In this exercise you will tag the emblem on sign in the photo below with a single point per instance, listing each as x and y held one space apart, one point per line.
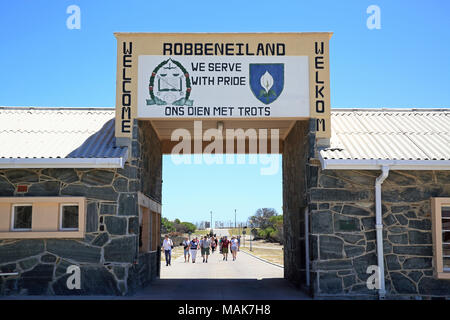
169 85
267 81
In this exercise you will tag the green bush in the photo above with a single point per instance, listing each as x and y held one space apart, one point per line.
189 226
172 226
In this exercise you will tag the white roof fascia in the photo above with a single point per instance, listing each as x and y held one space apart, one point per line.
371 164
13 163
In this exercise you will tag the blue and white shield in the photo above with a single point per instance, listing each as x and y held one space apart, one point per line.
267 81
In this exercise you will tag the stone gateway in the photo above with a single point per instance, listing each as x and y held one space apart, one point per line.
366 192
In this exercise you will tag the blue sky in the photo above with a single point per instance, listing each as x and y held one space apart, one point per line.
404 64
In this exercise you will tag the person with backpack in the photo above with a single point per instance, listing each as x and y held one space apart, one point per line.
185 245
220 244
193 246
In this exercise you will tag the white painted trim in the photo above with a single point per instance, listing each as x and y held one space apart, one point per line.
9 163
146 202
349 164
379 229
9 274
308 282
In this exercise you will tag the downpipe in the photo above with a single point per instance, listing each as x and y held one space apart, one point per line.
379 229
307 247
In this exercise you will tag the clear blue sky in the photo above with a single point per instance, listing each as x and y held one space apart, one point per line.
404 64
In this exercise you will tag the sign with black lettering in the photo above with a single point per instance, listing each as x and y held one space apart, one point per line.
223 76
222 86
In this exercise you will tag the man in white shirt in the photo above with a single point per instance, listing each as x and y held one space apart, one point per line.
205 244
167 246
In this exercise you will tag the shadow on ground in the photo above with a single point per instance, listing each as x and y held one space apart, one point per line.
226 289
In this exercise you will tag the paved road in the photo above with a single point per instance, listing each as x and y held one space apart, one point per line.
245 267
246 278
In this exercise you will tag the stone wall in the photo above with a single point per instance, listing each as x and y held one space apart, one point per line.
108 255
296 151
343 236
105 254
146 149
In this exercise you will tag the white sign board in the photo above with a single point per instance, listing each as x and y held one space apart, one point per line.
223 87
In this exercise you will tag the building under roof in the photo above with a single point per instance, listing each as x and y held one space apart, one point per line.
38 137
84 137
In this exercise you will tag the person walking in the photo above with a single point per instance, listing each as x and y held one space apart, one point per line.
225 244
239 242
205 245
167 246
193 246
234 247
220 244
213 244
185 245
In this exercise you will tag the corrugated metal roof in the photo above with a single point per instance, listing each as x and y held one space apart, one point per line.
357 134
28 132
383 134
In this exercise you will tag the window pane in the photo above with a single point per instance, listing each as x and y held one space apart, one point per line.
70 217
446 237
446 263
446 249
445 224
22 217
445 212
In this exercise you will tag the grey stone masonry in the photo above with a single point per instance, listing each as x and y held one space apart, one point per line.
296 150
108 255
343 236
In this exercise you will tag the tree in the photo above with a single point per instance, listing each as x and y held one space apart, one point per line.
272 229
261 218
166 226
176 226
189 227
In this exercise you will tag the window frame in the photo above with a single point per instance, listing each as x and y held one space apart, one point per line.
436 210
13 216
44 225
152 208
61 206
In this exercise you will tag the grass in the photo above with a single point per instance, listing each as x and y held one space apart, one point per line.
235 231
272 255
176 252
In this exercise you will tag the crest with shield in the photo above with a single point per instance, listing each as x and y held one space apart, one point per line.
266 81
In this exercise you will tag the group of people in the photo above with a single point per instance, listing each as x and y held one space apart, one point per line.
207 245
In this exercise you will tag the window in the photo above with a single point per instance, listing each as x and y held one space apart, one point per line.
441 236
69 217
42 217
445 216
156 230
21 217
144 231
150 223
